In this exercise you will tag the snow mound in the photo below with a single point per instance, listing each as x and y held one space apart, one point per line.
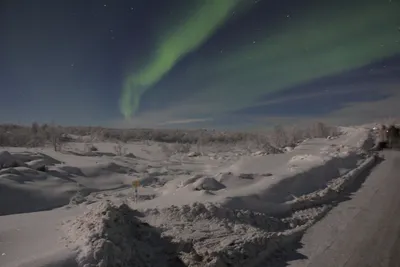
217 236
110 235
38 164
208 183
36 182
196 212
7 160
130 155
229 177
105 168
259 153
190 180
193 154
69 170
113 167
37 161
226 176
200 182
21 174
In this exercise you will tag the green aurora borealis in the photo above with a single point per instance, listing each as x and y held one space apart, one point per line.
182 39
320 39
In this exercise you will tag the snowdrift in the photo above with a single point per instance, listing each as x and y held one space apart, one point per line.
113 236
230 210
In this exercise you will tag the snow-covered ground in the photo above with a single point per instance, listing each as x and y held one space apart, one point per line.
216 209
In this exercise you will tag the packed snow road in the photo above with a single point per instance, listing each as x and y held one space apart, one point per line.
363 231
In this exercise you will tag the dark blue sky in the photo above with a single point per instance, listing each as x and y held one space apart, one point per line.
227 63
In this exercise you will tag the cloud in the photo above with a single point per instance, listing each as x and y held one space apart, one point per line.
365 112
161 119
186 121
350 114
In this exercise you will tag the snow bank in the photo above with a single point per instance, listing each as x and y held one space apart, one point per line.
308 168
109 235
212 212
194 235
204 235
27 186
333 189
34 181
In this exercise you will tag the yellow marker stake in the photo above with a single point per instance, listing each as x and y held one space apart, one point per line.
136 184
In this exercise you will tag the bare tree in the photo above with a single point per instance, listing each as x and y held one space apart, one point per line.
120 149
278 136
200 144
56 136
89 146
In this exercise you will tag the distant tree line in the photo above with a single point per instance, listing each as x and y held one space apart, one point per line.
37 135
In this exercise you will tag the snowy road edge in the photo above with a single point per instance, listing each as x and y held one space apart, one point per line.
334 189
318 198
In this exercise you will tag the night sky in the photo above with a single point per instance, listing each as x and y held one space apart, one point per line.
199 63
